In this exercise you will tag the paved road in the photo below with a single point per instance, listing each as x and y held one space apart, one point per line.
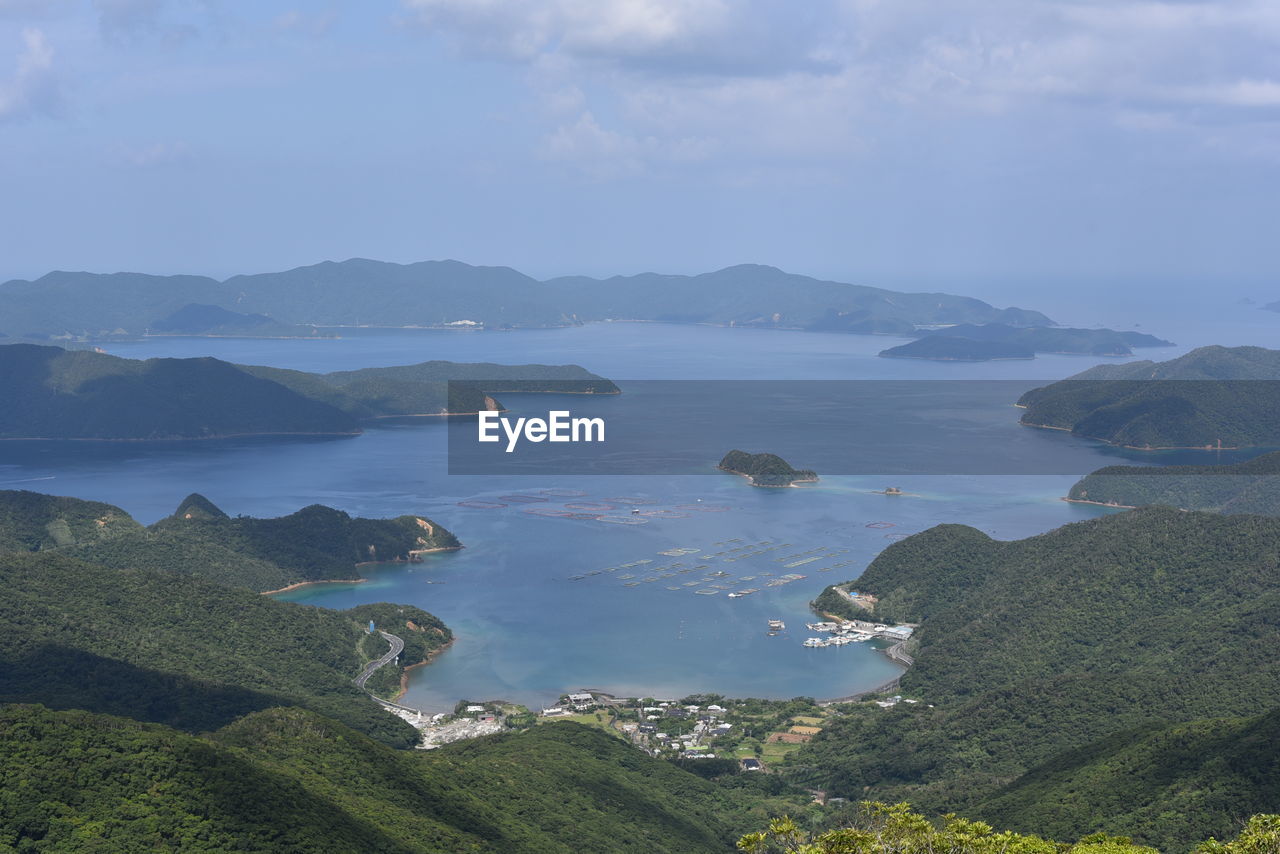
397 644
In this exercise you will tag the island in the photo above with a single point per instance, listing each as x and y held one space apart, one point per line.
767 470
1252 486
211 321
968 342
1212 397
54 393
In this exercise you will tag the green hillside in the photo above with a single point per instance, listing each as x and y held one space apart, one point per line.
287 780
1030 648
316 543
51 393
179 650
449 293
1212 395
1165 784
1247 487
59 394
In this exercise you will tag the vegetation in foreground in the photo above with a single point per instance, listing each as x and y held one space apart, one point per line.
895 829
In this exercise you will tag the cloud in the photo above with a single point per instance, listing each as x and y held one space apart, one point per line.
605 153
734 37
34 87
826 77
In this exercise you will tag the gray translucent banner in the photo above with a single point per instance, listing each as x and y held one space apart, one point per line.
868 427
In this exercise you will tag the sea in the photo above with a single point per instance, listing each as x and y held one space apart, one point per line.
546 598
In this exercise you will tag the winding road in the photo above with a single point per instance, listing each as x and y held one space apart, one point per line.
397 645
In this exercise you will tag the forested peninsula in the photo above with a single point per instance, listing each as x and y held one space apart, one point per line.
52 393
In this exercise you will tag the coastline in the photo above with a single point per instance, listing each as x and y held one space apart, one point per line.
751 480
404 671
300 584
1132 447
1070 500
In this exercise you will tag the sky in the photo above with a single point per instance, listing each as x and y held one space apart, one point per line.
894 142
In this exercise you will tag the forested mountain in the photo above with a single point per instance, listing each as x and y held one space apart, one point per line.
1164 783
175 649
288 780
432 388
51 393
59 394
1248 487
316 543
1032 648
1212 395
443 293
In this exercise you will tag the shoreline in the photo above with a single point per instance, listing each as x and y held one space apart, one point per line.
1132 447
300 584
1070 500
751 480
404 671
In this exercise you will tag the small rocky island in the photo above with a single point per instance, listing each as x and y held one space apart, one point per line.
767 470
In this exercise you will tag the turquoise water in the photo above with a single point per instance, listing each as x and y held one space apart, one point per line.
526 631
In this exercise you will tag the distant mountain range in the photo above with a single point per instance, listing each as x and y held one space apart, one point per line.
1210 396
968 342
52 393
450 294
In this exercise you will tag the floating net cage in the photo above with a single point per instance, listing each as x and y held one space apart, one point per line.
704 508
562 493
481 505
881 525
630 499
622 520
521 499
592 506
664 514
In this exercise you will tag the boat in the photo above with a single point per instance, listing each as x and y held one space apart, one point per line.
777 625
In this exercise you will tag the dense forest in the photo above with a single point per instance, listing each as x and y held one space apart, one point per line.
179 650
1247 487
52 393
289 780
1212 396
1030 649
316 543
765 469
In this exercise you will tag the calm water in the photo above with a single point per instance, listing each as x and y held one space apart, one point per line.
526 631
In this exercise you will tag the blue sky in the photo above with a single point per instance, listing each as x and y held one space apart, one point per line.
902 142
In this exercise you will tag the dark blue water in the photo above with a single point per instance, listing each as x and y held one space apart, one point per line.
526 631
